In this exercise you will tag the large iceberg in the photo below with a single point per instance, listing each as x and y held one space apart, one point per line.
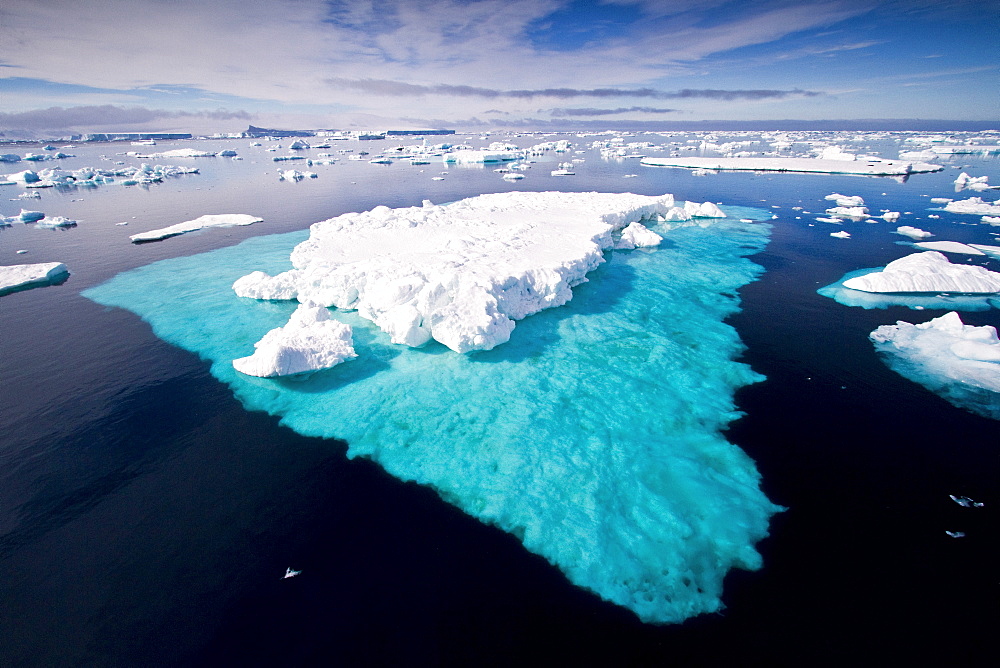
208 220
16 277
310 341
958 361
929 271
460 273
595 435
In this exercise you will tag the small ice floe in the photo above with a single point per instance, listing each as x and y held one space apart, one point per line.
913 232
843 234
990 220
965 501
971 182
956 534
940 200
973 205
56 221
949 247
30 216
835 221
846 200
21 252
210 220
565 169
890 216
289 573
21 276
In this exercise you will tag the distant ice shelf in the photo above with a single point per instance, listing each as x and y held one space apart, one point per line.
815 165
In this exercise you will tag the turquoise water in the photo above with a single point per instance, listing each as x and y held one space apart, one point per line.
593 435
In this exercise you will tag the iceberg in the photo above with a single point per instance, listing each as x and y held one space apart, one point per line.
595 435
56 221
637 235
841 235
309 342
814 165
971 182
957 361
974 205
20 276
470 156
846 200
990 220
929 271
913 232
857 212
210 220
949 247
459 273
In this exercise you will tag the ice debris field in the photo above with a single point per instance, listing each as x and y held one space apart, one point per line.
593 434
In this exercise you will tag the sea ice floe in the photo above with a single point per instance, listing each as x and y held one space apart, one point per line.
841 235
210 220
971 182
814 165
178 153
846 200
929 271
913 232
957 361
18 276
949 247
974 205
310 341
990 220
596 435
56 221
857 212
472 156
460 273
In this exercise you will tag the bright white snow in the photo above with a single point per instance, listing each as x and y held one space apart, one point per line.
949 247
310 341
210 220
974 205
460 273
913 232
929 271
19 275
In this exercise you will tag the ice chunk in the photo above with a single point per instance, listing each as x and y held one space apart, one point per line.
949 247
19 276
846 200
990 220
971 182
958 361
890 216
460 273
596 435
849 211
703 210
637 235
310 341
974 205
298 145
472 157
180 153
841 235
913 232
210 220
56 221
929 271
30 216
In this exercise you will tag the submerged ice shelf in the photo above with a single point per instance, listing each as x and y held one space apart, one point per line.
957 361
594 434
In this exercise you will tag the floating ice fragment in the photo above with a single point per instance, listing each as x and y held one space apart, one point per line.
949 247
929 271
310 341
841 235
289 573
846 200
965 501
210 220
814 165
56 221
956 534
913 232
974 205
14 277
990 220
637 235
958 361
30 216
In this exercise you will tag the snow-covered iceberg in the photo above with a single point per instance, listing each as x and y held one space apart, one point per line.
19 276
974 205
209 220
310 341
958 361
913 232
595 435
929 271
460 273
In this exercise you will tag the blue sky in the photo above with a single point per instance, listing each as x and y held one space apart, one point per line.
468 64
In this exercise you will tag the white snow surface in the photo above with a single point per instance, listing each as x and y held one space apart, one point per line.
637 235
209 220
817 165
913 232
929 271
841 235
459 273
310 341
947 349
846 200
179 153
14 276
949 247
974 205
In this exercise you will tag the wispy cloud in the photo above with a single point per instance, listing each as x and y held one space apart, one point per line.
584 111
110 116
398 88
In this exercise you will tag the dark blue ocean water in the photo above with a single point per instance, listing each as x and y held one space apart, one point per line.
146 517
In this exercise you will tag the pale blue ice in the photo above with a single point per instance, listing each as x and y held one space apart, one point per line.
915 301
594 435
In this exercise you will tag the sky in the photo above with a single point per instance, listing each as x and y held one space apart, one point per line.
220 65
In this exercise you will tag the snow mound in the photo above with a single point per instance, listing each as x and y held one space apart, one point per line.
310 341
927 272
210 220
460 273
23 275
958 361
637 235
